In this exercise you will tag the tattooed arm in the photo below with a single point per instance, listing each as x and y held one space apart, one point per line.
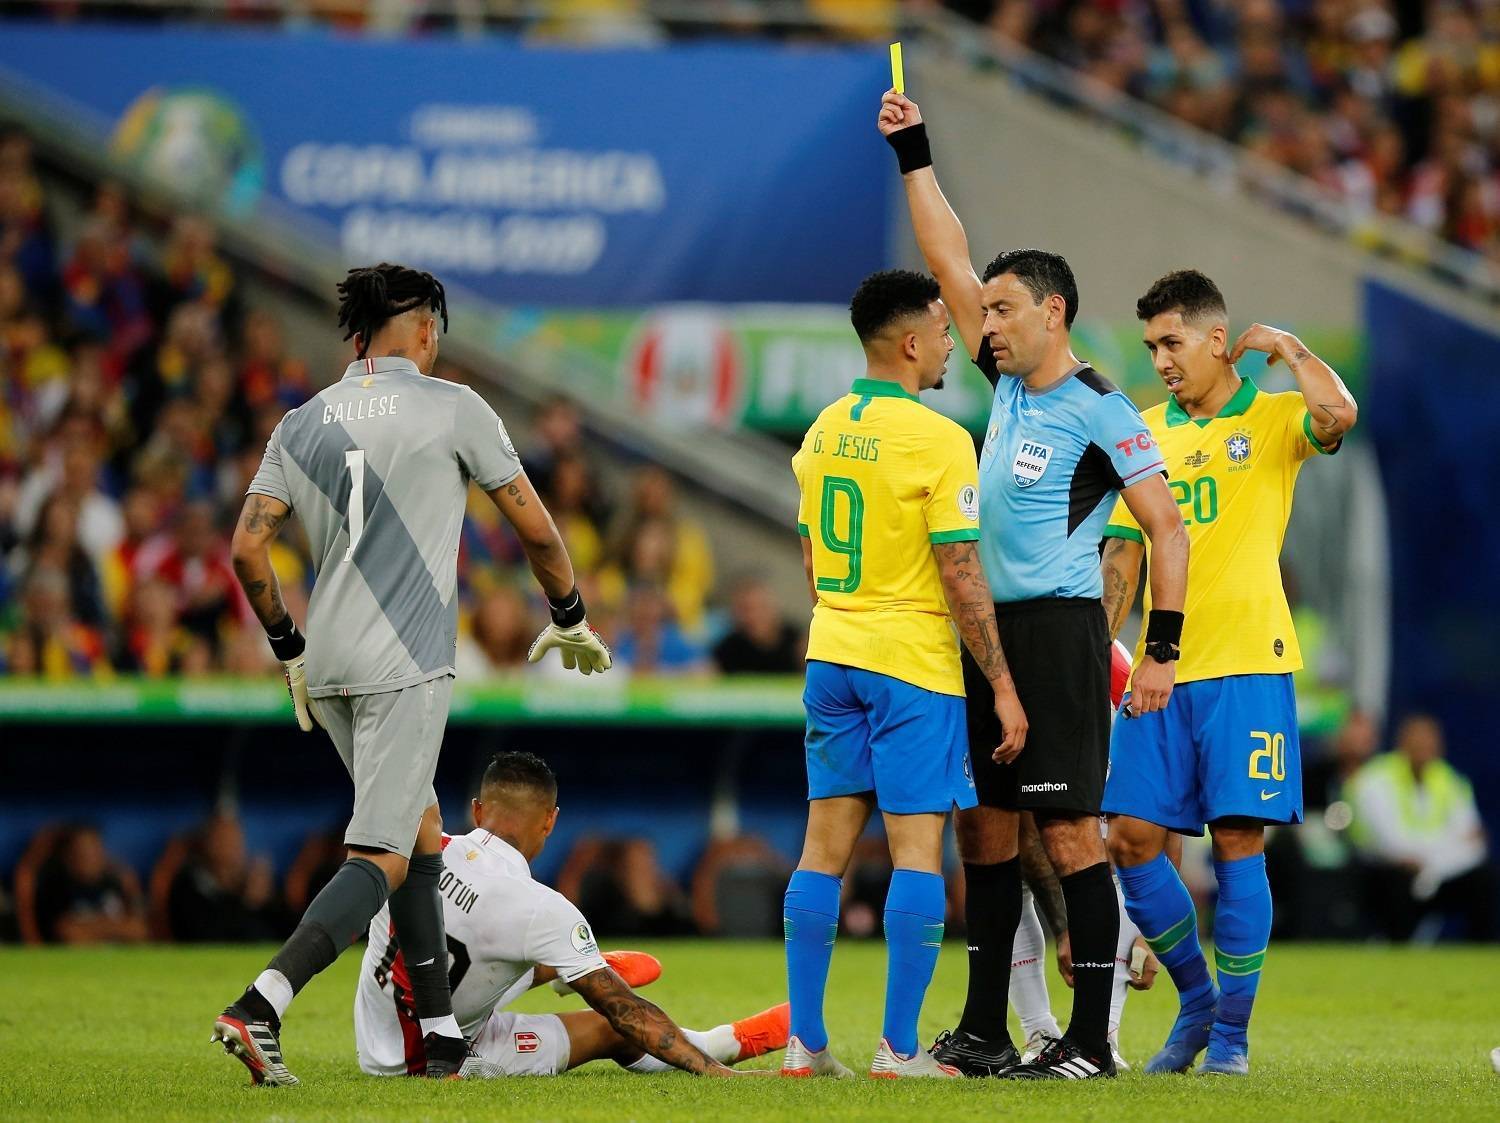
260 520
522 508
1037 869
973 612
1120 566
644 1024
1331 407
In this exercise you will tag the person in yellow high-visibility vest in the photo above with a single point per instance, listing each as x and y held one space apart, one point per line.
1417 828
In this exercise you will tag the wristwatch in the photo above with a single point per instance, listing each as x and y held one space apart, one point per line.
1163 651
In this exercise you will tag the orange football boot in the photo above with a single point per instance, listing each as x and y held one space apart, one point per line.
764 1032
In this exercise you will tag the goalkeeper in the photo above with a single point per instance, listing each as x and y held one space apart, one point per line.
378 467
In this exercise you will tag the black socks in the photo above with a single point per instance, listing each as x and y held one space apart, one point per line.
338 915
417 913
992 910
1094 931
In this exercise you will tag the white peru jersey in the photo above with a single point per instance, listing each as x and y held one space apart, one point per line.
501 924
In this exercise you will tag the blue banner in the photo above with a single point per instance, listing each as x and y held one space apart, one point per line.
530 176
1433 409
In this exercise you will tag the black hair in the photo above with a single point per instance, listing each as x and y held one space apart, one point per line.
1044 274
890 295
520 770
374 294
1184 290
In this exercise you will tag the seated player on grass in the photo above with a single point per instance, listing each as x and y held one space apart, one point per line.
506 934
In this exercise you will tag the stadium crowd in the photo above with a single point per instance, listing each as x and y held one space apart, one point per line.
1392 105
137 391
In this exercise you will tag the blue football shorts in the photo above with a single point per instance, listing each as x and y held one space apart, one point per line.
1223 747
869 732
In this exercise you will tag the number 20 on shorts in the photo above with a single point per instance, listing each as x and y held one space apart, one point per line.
1269 761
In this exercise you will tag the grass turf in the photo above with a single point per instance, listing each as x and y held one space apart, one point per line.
1340 1033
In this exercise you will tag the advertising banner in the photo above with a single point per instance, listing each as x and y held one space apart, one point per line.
773 367
528 175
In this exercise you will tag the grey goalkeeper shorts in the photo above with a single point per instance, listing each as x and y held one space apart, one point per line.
389 742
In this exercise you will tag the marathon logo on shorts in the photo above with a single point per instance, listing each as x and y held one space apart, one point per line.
1044 786
527 1042
1030 463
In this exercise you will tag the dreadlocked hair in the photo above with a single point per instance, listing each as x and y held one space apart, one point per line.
374 294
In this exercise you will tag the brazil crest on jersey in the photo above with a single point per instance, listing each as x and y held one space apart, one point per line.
882 479
1233 476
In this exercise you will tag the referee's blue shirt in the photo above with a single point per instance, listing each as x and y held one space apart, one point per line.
1052 464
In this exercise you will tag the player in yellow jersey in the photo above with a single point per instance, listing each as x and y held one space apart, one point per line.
889 517
1224 752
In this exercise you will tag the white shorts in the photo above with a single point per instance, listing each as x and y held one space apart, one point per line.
525 1044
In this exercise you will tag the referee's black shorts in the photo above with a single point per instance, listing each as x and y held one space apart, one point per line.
1058 650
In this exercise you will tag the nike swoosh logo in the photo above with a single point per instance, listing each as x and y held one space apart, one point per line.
1268 795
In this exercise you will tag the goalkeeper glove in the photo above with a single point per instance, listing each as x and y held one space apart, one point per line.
582 648
290 647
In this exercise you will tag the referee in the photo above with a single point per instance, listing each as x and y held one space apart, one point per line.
1061 444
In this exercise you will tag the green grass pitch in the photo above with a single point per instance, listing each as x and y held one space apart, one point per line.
1341 1034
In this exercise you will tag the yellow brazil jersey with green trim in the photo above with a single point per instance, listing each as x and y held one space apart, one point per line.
1233 477
882 478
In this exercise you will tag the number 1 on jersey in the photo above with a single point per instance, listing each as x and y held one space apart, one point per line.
354 460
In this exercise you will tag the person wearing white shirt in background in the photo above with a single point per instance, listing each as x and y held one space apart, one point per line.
1417 827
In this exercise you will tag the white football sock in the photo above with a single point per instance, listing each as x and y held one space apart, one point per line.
719 1043
1028 980
275 989
446 1026
1128 933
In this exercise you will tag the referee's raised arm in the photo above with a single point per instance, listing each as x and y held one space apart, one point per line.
940 235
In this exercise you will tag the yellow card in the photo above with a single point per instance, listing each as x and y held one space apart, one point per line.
898 78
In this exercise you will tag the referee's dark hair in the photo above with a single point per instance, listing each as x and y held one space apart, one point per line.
1187 291
374 294
1042 273
523 771
890 295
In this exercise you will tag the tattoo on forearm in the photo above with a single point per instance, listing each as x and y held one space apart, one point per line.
1333 423
640 1022
515 493
1118 590
1046 889
973 610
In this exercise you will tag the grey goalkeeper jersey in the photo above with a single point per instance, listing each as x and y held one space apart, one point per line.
377 467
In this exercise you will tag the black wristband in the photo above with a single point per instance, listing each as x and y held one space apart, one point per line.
912 150
286 641
1164 626
567 612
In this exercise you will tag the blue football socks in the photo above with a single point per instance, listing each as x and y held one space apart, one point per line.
914 908
810 919
1242 929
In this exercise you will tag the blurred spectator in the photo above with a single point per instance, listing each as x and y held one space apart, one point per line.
1418 830
193 560
499 635
74 474
762 641
738 889
650 641
571 501
83 896
156 645
49 641
220 894
865 885
619 885
653 544
53 546
1328 778
558 435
